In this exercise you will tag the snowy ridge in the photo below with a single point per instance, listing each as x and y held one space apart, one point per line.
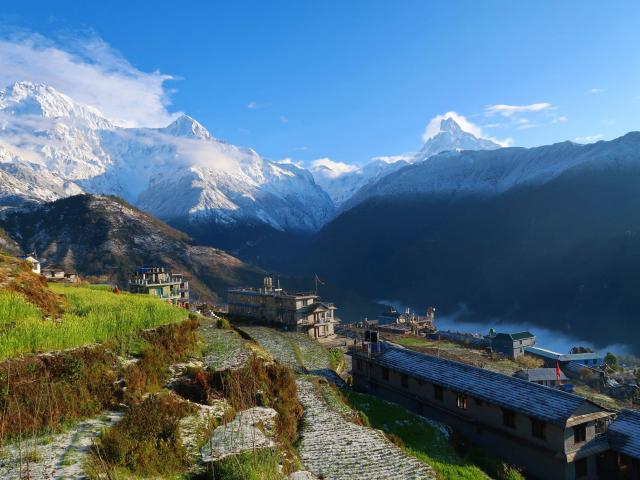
52 147
495 172
342 182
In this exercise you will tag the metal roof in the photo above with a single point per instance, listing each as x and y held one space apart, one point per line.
624 433
540 374
538 401
562 357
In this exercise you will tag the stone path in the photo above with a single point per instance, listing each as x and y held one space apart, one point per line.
57 456
225 349
333 448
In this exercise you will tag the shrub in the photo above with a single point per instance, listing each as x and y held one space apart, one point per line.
147 441
527 361
336 359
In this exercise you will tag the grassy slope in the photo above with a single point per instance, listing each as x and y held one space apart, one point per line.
425 441
92 316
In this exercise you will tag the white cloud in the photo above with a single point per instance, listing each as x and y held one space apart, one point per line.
331 168
589 138
433 127
253 105
509 110
596 90
91 72
290 161
394 158
560 119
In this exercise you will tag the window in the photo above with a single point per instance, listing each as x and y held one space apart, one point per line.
462 401
385 373
601 427
581 467
404 380
537 429
579 433
438 392
359 364
508 418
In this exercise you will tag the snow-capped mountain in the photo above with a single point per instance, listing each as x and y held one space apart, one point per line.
52 147
343 181
456 174
452 137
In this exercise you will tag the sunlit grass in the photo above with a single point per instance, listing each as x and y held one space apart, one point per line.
94 315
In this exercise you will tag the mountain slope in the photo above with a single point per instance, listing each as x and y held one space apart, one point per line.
342 182
105 238
559 248
52 147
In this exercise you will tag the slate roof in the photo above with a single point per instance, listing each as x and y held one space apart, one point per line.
540 374
624 433
538 401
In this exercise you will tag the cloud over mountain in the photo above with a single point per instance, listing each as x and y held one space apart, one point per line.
91 72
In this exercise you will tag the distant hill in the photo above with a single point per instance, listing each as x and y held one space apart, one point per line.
104 238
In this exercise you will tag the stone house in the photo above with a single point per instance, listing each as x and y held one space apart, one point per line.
512 345
551 434
302 312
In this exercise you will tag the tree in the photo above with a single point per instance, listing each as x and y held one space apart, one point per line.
611 360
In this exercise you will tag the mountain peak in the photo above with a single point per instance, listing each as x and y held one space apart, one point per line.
28 98
185 126
450 125
452 137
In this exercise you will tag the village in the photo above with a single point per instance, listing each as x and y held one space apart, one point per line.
555 415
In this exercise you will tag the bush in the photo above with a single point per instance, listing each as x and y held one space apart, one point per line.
527 361
147 441
336 359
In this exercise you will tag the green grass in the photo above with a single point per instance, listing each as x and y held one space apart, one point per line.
423 342
94 315
426 442
255 465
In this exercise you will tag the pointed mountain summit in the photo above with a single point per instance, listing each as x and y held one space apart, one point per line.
185 126
452 137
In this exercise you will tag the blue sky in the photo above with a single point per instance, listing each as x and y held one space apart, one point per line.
344 80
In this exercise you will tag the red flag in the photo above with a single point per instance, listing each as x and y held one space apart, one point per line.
557 370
